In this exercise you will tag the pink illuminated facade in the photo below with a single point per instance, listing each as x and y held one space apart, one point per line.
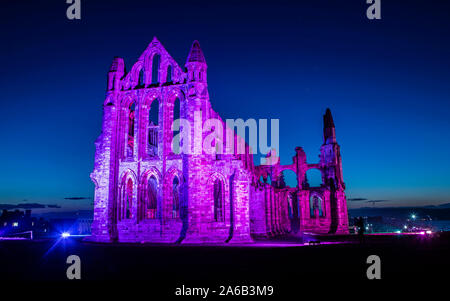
146 192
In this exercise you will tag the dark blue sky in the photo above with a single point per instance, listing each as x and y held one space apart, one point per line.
386 82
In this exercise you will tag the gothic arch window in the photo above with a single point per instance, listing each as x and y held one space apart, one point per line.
151 204
175 197
155 68
169 74
130 134
316 206
126 200
153 129
129 200
141 82
218 201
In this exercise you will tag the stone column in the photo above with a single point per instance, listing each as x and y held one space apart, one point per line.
105 178
241 205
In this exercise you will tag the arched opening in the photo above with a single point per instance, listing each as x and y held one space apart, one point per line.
175 198
169 74
129 200
218 201
126 200
141 82
287 178
313 178
151 204
155 68
316 206
130 136
175 137
153 129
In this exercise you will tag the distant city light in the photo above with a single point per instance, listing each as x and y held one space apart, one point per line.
405 227
413 216
15 224
429 232
65 234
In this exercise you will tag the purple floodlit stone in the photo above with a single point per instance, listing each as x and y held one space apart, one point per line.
145 192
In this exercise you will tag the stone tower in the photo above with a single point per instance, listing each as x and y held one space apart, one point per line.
331 165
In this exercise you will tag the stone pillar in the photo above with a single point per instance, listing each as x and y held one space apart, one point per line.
304 209
105 178
241 208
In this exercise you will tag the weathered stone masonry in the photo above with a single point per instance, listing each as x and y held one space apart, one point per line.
144 192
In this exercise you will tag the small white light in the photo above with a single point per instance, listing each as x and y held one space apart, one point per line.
15 224
429 232
405 227
65 234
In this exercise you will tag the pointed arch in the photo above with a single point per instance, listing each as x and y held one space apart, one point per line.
127 196
176 191
219 199
136 74
150 196
169 76
141 79
174 185
126 100
316 205
149 200
156 65
218 187
156 47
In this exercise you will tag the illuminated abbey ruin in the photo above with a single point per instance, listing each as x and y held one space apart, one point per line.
147 192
